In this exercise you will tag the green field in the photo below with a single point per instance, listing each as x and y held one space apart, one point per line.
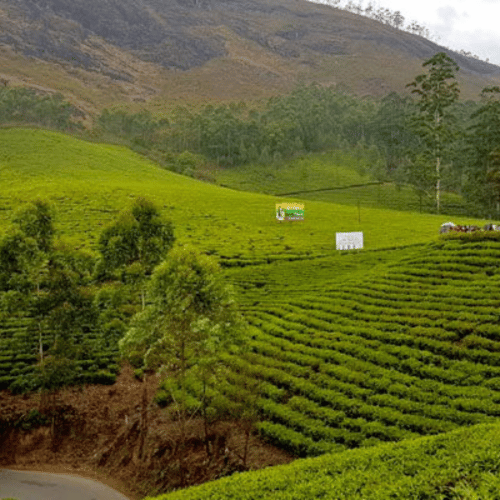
335 177
351 349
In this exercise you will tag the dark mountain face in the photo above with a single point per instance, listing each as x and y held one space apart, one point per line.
180 33
129 24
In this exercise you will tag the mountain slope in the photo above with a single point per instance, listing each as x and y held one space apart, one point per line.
215 49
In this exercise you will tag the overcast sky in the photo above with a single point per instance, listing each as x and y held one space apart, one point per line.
471 25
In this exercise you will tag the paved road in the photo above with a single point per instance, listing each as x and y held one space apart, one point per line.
24 485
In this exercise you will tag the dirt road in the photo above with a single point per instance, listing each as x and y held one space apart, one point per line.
23 485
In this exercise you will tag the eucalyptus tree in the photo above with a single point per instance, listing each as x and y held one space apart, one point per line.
484 144
437 90
188 324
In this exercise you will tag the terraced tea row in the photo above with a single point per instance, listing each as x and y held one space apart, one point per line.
19 355
414 350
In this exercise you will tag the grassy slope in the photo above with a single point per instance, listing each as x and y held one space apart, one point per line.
462 464
89 183
411 289
342 177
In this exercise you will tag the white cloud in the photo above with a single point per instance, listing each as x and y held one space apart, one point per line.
447 17
447 13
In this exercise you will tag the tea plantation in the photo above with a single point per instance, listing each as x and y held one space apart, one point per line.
395 342
412 349
90 183
463 464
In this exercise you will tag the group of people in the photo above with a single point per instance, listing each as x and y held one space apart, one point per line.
450 226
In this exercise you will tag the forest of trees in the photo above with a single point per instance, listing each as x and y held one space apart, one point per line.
401 129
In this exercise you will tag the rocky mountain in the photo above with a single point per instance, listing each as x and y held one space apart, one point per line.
102 52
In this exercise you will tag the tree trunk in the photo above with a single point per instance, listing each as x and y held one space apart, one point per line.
438 164
247 440
144 421
40 338
183 415
205 421
438 183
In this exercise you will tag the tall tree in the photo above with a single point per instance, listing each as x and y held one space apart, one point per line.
189 321
437 91
484 141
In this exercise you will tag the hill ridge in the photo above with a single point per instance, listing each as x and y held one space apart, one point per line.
142 47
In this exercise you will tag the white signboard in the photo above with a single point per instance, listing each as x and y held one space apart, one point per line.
349 241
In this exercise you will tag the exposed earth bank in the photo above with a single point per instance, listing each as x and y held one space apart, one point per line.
117 435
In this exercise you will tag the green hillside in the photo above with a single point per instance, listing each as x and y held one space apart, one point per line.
334 177
90 183
353 352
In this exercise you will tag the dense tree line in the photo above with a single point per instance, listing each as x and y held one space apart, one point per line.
19 105
402 129
310 118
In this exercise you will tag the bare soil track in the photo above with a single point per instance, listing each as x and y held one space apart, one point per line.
118 435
